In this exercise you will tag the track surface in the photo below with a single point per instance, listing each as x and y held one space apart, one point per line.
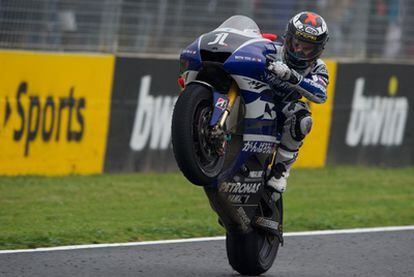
364 254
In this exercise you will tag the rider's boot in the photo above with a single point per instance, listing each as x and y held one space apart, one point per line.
280 169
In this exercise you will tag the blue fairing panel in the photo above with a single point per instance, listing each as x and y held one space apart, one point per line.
250 59
190 57
247 61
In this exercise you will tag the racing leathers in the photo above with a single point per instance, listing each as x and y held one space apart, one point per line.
294 119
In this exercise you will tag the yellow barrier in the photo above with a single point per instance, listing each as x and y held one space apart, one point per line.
54 112
313 152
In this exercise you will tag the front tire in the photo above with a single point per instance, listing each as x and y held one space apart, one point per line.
193 152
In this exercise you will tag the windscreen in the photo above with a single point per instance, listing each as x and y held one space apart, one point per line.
241 24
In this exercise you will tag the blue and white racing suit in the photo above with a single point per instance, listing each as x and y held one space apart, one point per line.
293 115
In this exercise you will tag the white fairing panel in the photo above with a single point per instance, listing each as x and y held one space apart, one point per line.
258 107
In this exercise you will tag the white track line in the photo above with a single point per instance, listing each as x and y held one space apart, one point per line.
291 234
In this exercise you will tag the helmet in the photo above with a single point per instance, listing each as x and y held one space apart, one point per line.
305 38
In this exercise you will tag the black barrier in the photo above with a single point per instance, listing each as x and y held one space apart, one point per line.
373 118
143 97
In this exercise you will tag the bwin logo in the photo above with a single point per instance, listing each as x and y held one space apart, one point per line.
377 120
152 119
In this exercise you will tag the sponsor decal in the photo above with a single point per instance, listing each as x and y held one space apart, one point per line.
238 187
143 97
189 51
258 147
305 35
311 30
256 174
255 85
377 120
247 58
221 103
267 223
220 37
238 199
42 120
239 193
250 84
245 219
54 112
372 115
152 123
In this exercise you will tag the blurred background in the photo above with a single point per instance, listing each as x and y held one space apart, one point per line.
369 29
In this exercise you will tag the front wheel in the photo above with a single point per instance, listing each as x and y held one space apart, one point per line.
193 149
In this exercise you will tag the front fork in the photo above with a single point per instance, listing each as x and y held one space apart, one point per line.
232 94
223 104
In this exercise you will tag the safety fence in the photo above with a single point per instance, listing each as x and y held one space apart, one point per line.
358 29
82 114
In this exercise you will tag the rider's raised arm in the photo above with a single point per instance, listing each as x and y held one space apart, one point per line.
313 86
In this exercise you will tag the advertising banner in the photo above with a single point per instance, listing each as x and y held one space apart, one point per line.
143 98
373 115
54 112
144 94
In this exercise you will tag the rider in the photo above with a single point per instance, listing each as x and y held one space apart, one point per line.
296 71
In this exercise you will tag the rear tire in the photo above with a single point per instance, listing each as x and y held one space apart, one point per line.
190 123
253 253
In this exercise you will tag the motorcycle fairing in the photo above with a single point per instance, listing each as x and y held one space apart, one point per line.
245 63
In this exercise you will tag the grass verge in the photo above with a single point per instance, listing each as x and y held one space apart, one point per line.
52 211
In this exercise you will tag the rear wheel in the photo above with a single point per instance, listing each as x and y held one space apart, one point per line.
195 152
253 253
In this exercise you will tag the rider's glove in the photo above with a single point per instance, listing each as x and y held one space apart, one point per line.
284 73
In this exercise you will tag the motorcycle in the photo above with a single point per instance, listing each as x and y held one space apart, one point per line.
224 137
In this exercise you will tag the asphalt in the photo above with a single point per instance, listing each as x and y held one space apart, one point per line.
365 254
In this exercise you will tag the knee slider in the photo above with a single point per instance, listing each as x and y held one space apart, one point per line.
301 124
